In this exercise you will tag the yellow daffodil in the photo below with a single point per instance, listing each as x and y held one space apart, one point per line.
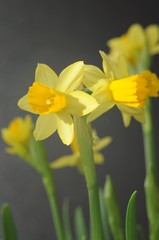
73 160
55 98
115 87
137 45
17 135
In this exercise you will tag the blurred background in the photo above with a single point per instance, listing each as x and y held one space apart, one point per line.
59 33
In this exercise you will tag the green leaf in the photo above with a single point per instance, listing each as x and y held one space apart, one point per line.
80 226
131 226
8 226
66 220
106 229
113 210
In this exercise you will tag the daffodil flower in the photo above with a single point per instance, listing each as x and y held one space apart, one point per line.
55 98
137 45
73 160
114 86
17 135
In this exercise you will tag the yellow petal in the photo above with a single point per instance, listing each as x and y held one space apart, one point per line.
70 78
107 66
46 125
152 32
23 104
128 112
102 108
140 117
126 119
93 77
44 74
122 70
65 127
81 103
103 142
98 158
65 161
136 35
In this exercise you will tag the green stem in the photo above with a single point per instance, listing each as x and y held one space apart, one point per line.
39 157
50 189
84 140
151 180
149 140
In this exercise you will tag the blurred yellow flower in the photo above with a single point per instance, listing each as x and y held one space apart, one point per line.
137 45
55 99
73 160
17 135
114 86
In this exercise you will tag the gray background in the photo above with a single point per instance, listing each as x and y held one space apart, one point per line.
59 33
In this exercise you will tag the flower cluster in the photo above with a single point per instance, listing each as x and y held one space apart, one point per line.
56 99
68 103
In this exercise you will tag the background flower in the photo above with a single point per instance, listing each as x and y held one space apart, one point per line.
73 160
17 135
137 45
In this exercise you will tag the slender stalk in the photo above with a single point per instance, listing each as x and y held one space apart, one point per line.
50 189
149 140
84 140
151 180
39 157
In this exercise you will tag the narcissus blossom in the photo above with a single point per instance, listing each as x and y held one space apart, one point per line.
55 98
17 135
114 86
73 160
137 45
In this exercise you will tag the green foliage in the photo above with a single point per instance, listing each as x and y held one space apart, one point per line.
131 226
113 210
80 226
8 225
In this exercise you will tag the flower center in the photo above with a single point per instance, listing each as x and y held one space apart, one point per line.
131 91
44 99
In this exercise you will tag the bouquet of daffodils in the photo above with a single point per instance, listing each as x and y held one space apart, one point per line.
68 104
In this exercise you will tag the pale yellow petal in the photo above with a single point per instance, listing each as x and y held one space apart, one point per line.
23 104
102 108
70 78
44 74
46 125
122 69
103 142
154 49
98 158
152 32
81 103
65 127
130 110
107 66
65 161
136 34
126 119
140 117
93 77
